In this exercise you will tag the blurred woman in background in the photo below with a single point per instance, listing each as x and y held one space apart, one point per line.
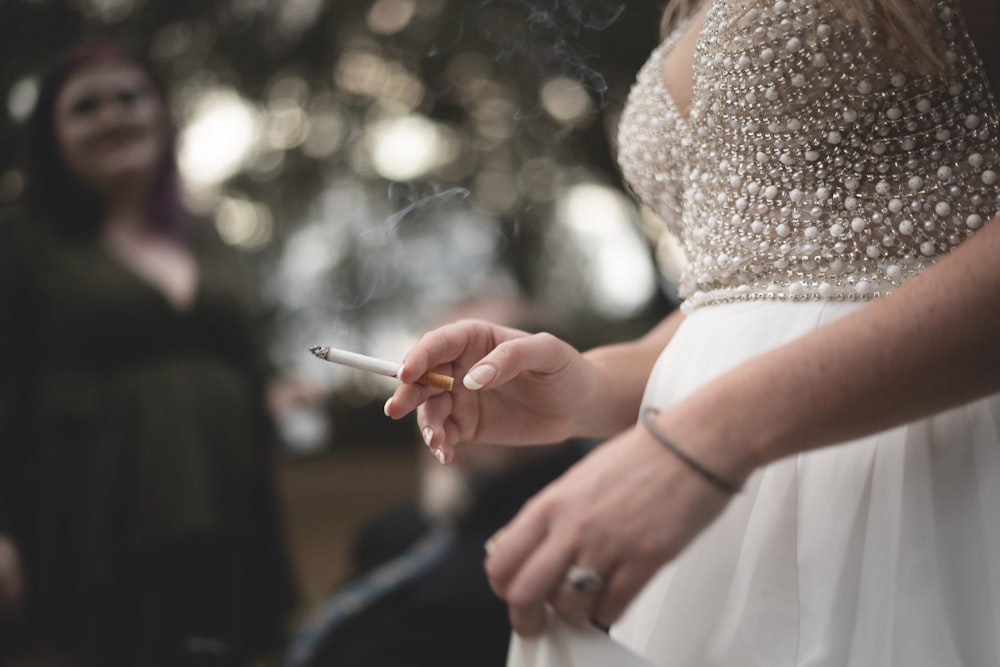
138 522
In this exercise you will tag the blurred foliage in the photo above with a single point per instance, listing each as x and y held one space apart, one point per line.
523 96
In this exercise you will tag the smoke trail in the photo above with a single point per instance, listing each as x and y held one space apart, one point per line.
547 33
406 192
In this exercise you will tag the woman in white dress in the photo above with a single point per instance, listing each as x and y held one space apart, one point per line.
803 463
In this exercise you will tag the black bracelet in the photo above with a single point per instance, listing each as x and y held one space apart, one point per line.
720 483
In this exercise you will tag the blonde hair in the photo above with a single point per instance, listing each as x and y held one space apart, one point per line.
908 22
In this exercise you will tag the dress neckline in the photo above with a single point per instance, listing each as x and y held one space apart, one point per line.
180 311
659 56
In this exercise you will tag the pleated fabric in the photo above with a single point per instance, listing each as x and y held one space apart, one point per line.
883 551
880 551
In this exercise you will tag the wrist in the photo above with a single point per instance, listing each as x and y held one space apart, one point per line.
722 452
603 409
723 483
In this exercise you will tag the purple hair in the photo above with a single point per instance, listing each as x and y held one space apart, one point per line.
54 192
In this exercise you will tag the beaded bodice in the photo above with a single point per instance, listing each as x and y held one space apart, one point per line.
810 166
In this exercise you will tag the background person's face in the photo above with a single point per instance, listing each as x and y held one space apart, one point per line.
109 125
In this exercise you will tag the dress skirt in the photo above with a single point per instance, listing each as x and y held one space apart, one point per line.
880 551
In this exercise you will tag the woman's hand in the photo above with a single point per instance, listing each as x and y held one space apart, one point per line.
11 578
518 388
623 511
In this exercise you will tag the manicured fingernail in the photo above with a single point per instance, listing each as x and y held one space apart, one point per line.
428 435
479 376
440 456
490 546
385 408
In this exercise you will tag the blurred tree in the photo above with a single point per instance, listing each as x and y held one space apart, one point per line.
359 149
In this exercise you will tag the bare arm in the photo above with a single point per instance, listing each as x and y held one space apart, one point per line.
631 505
622 370
933 344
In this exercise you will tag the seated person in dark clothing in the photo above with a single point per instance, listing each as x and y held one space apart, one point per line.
420 596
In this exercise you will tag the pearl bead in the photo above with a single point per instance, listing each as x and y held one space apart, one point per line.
812 169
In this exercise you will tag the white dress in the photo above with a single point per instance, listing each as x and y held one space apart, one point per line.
813 175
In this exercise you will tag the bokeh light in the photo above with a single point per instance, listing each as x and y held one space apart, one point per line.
219 137
407 147
603 223
21 98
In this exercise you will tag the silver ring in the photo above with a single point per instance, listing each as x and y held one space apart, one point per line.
584 579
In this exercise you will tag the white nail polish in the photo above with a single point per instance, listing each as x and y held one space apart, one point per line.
428 435
479 376
385 408
439 455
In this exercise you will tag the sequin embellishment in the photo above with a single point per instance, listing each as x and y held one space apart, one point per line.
810 167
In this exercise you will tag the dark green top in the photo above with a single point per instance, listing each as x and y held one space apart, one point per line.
128 427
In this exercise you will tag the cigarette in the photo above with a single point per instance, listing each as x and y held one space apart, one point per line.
379 366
